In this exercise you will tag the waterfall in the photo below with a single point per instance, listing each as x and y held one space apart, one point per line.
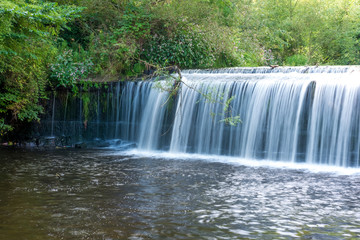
294 114
98 114
334 123
53 114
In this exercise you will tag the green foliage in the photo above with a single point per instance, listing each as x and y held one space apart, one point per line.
296 60
85 97
115 50
113 53
232 121
186 49
27 31
68 72
197 33
4 128
135 21
157 32
325 32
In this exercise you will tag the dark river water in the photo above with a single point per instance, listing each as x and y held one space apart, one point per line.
108 194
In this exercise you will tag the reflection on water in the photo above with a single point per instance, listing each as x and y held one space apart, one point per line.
96 194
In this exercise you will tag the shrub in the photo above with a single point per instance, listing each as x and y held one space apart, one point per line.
27 30
67 72
296 60
185 48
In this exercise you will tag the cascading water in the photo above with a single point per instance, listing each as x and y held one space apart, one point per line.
53 115
293 114
295 117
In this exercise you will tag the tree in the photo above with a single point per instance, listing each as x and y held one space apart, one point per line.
27 33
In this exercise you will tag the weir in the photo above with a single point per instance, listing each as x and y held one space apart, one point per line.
294 114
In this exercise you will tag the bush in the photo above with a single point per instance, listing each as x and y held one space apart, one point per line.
67 72
296 60
187 49
27 30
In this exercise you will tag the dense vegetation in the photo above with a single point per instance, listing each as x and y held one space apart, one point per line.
49 44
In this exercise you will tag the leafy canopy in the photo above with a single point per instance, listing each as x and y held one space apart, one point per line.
27 33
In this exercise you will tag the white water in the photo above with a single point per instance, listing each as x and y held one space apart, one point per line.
334 122
307 115
53 116
289 117
314 168
152 119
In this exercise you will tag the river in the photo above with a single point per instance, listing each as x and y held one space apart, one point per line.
111 194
